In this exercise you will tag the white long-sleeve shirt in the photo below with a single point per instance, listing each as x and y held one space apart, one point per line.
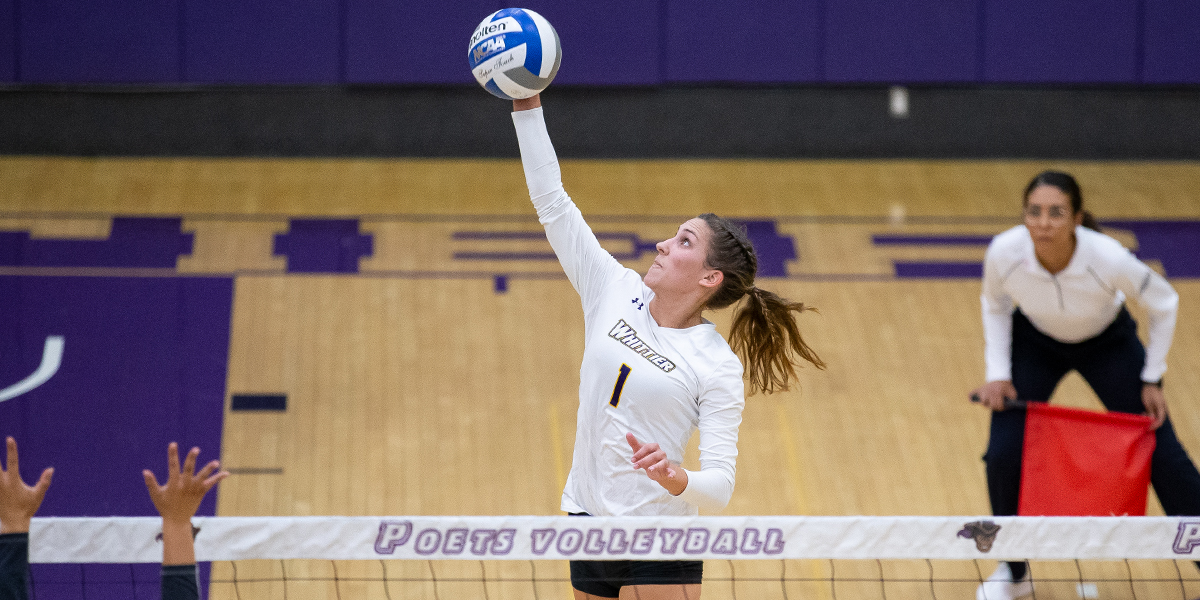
660 383
1074 305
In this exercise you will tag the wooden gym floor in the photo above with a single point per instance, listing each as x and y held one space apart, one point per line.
411 393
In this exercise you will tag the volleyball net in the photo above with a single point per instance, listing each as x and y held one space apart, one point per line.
525 557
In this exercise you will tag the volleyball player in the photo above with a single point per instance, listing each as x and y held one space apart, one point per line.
1054 292
177 501
655 370
18 504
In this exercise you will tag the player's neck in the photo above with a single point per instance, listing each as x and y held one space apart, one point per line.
1055 257
677 314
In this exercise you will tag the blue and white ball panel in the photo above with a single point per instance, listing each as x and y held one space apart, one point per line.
514 53
549 51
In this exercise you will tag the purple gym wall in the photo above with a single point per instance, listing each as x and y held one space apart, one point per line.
628 42
902 41
99 41
262 41
8 40
390 42
1171 48
1061 41
143 365
614 43
758 41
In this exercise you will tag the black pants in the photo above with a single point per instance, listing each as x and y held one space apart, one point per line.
1112 364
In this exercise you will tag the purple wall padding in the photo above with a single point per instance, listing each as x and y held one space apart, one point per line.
262 41
144 364
133 242
759 41
387 42
1171 42
115 581
901 41
1061 41
99 41
8 40
610 43
323 246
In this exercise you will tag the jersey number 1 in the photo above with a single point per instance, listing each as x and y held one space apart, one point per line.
616 397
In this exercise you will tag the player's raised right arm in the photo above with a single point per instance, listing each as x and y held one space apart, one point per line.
586 263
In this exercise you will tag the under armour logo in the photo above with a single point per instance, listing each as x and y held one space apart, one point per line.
983 532
639 303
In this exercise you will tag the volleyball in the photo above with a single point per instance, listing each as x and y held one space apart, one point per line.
514 53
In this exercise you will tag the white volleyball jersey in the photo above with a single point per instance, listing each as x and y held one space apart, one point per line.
659 383
1077 303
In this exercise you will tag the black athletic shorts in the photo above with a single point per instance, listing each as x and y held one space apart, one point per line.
605 578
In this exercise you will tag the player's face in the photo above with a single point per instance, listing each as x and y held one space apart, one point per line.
1049 216
681 261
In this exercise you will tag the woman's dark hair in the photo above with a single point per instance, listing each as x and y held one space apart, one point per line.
764 332
1067 185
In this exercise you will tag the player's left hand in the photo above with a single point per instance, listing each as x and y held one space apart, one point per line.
654 461
19 502
1156 404
179 498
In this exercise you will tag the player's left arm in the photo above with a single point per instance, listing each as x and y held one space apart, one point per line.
18 504
1142 284
177 501
721 405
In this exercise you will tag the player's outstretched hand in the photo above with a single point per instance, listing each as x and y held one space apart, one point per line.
993 394
529 103
1156 404
654 461
19 502
179 498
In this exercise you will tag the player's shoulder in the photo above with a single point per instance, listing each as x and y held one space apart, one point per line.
712 346
1099 242
1010 244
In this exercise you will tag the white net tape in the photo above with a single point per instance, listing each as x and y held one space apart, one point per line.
134 539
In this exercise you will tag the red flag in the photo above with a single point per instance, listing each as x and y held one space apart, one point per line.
1084 463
